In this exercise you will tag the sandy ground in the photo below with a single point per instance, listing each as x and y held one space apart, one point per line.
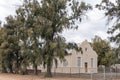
31 77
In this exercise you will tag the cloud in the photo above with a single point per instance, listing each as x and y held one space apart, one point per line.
94 25
7 7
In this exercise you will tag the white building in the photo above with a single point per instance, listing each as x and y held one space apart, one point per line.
77 62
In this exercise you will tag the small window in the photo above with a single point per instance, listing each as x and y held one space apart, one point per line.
65 62
85 49
91 62
79 61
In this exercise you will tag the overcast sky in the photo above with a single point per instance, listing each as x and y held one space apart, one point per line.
88 28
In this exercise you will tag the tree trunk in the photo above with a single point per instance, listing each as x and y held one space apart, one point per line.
17 64
3 68
48 73
16 67
24 69
35 70
10 68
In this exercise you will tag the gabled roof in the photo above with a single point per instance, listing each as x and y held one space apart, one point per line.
83 45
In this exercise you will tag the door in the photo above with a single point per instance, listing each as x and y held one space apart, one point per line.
86 67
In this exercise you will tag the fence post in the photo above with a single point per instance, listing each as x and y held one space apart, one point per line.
70 71
62 70
91 75
111 72
79 71
104 74
54 70
116 72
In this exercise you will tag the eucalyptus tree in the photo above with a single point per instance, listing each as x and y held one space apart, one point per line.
111 9
22 36
105 52
53 17
2 54
9 44
35 49
46 20
112 13
29 35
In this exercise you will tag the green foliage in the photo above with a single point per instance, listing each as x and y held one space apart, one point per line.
106 55
112 12
33 35
9 45
54 18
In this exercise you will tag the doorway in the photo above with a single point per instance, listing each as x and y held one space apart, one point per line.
86 67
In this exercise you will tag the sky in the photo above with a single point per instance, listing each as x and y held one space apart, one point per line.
95 24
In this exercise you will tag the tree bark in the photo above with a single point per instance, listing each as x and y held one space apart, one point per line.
35 70
48 73
3 68
17 64
10 68
24 70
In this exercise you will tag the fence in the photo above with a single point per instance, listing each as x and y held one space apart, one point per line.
102 73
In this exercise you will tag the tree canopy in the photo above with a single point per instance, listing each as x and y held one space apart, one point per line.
111 9
106 55
33 35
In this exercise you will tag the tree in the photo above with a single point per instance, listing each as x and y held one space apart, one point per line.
29 36
104 51
45 20
2 56
21 39
54 17
112 13
117 55
9 45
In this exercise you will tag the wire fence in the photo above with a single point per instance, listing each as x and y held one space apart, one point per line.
101 73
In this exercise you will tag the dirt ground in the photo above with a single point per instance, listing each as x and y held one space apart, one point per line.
31 77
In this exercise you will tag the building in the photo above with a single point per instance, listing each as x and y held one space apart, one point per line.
77 62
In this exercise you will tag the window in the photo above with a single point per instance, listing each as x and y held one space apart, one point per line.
79 61
65 63
85 49
91 62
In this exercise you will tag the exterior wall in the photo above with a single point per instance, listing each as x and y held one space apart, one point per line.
72 67
86 57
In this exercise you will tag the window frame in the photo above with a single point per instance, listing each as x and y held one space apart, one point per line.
79 61
92 62
86 49
65 63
